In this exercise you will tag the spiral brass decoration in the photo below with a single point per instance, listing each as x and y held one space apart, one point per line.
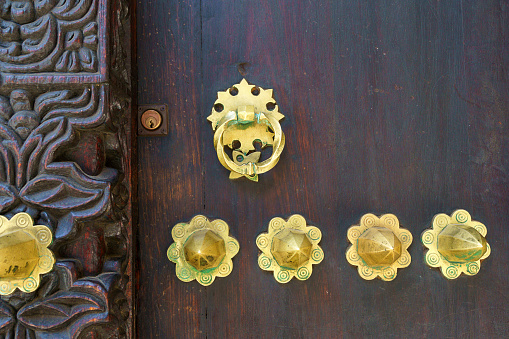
379 247
290 248
456 244
203 250
24 252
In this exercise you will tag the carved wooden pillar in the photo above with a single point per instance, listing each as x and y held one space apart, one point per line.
65 159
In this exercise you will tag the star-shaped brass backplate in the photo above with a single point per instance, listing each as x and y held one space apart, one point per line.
243 95
242 116
24 253
203 250
290 248
456 244
379 247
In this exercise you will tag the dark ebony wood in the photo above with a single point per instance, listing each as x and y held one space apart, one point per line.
66 153
391 107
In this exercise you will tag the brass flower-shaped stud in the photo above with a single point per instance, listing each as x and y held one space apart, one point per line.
203 250
456 244
379 247
24 252
290 248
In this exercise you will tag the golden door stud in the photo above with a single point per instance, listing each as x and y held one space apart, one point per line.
203 250
290 248
241 117
456 244
24 252
379 247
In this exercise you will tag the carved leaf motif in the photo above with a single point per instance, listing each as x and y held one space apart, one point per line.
39 148
59 309
68 312
8 141
59 193
39 177
70 194
85 110
7 317
74 10
60 188
33 34
44 6
8 196
51 101
39 39
21 332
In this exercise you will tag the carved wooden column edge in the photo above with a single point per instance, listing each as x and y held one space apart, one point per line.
67 158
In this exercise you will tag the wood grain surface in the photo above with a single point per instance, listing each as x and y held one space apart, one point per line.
66 163
391 107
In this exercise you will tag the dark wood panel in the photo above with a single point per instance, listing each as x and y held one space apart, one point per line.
170 168
391 107
66 159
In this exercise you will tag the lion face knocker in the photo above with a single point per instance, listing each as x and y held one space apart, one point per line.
243 117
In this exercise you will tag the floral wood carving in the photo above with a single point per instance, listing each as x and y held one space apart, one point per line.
63 303
34 137
65 160
49 35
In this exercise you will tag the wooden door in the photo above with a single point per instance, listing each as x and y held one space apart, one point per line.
65 169
391 107
66 155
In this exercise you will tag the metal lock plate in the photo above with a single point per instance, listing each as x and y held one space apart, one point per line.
153 120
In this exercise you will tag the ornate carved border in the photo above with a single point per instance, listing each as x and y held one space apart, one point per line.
65 159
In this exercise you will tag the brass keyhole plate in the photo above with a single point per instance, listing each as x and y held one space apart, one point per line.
153 120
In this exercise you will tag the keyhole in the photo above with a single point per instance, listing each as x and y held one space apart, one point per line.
151 120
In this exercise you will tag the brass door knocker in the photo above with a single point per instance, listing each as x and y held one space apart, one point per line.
242 116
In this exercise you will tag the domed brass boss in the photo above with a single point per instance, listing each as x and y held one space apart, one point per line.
24 253
203 250
379 247
241 117
290 248
456 244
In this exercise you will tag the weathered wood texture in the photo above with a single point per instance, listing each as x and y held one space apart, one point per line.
391 107
65 158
